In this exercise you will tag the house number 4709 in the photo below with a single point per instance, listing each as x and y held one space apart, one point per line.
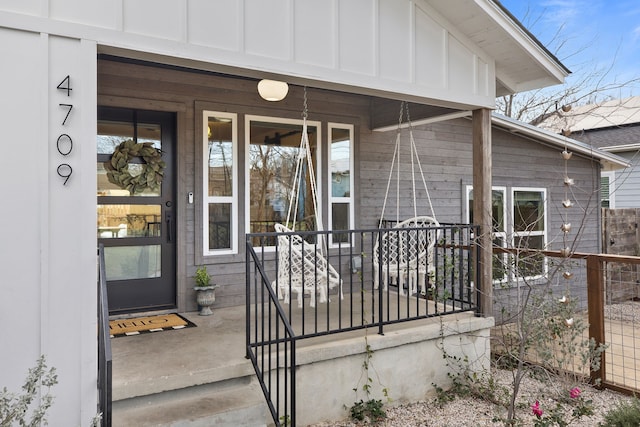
64 143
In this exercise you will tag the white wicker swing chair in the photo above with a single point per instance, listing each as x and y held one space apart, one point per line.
302 266
407 250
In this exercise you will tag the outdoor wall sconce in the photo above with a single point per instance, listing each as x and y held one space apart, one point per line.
272 90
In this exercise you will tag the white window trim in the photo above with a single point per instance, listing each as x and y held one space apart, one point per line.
501 234
318 169
612 194
206 199
332 199
543 233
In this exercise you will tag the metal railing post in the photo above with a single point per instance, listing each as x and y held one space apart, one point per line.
105 358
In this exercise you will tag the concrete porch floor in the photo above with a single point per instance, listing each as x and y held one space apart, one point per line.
192 372
193 377
154 362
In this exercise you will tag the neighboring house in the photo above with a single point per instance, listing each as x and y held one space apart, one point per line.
87 76
612 126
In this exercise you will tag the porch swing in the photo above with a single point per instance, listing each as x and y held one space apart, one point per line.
302 266
406 251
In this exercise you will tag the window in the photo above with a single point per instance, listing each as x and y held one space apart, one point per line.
273 147
341 183
527 224
499 234
607 197
220 188
529 229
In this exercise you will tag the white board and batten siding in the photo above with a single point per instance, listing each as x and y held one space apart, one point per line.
48 247
370 46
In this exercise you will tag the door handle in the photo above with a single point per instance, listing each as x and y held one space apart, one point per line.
169 227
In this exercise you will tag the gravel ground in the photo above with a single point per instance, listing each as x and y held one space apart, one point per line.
474 412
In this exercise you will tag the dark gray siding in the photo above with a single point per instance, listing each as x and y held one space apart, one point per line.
444 150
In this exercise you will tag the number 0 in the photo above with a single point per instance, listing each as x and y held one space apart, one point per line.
58 144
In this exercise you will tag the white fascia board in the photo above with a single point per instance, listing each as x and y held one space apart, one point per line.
532 47
621 148
607 160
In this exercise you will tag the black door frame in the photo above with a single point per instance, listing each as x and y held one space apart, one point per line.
149 294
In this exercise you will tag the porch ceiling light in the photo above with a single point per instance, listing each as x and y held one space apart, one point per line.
272 90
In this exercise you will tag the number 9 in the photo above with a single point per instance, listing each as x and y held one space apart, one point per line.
64 167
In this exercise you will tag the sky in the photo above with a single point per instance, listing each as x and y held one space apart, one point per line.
595 34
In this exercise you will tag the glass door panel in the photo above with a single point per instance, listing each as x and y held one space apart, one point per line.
129 221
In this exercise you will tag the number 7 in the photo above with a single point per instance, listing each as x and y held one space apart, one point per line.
68 112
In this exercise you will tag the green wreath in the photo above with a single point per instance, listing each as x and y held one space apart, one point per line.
152 168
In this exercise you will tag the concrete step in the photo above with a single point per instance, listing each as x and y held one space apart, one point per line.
234 402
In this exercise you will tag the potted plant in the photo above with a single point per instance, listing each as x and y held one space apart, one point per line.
205 291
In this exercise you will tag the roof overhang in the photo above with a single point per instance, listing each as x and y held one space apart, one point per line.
522 62
608 160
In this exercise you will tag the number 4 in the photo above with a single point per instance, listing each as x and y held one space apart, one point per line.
65 85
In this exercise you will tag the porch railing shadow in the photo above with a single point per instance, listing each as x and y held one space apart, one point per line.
297 263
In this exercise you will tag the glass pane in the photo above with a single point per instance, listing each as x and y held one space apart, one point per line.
530 265
340 162
499 261
150 132
220 156
132 262
497 209
117 221
528 211
219 226
107 188
340 221
272 159
111 134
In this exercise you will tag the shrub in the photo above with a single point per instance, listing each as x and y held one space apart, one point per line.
15 409
625 414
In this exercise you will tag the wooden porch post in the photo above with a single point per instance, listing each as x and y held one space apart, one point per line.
482 203
595 301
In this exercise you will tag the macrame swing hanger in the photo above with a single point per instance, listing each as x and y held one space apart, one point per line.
304 154
415 161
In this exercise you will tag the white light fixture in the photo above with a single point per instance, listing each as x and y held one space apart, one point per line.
272 90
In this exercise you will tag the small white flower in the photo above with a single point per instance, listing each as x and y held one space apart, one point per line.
567 203
568 322
563 299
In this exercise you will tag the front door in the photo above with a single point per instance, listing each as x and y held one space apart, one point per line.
136 213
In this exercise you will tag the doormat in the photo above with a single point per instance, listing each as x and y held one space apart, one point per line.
141 325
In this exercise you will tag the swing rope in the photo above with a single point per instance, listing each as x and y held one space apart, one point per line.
304 153
415 159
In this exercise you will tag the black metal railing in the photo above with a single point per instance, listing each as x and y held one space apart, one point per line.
271 343
104 345
310 284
